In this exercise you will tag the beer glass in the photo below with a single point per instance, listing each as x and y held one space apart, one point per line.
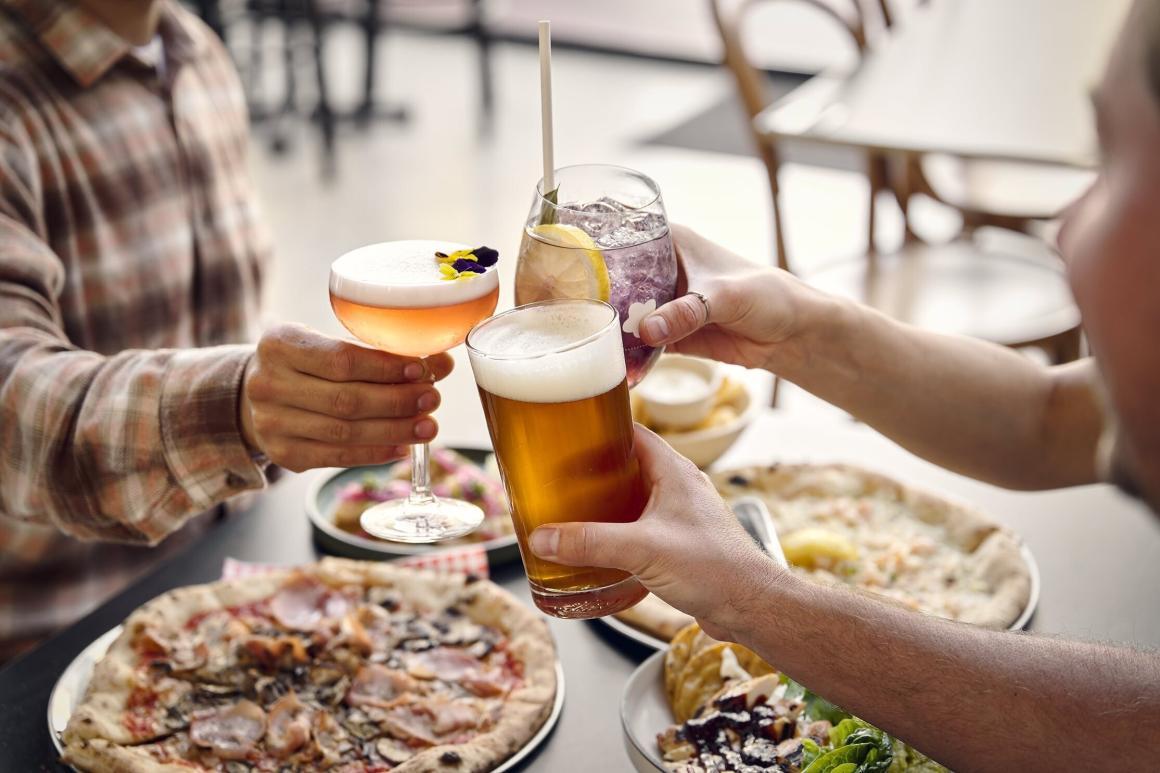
393 296
552 379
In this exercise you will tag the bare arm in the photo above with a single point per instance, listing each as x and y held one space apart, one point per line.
967 405
973 407
970 698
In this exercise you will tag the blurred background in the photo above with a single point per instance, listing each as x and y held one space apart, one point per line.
911 154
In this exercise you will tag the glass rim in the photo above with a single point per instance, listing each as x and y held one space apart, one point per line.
649 182
475 351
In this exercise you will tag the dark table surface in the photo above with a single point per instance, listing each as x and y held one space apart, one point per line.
1099 556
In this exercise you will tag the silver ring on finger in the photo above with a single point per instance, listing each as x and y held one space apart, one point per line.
704 302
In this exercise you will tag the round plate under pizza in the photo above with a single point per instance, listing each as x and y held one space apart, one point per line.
69 699
322 498
69 688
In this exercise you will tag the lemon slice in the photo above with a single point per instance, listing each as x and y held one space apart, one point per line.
810 546
562 263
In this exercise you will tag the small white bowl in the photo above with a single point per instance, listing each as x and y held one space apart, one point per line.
704 446
680 391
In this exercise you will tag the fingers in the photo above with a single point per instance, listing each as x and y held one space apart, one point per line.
614 545
310 352
351 400
283 421
296 454
439 366
677 319
310 400
657 458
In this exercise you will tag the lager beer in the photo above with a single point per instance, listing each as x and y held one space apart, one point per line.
552 380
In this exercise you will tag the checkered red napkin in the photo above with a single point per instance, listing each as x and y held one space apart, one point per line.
469 559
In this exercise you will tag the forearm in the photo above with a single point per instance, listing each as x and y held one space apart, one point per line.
121 448
971 698
974 407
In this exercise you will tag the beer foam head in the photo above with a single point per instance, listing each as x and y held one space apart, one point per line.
404 275
553 352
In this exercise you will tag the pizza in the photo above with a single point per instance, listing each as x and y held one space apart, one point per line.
843 525
343 665
453 476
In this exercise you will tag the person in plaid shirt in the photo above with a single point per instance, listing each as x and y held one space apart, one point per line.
131 258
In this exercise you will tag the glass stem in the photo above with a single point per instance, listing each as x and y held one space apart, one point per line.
420 475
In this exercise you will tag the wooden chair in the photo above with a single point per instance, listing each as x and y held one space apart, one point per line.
1011 293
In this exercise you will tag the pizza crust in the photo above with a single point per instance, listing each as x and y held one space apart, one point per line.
96 738
99 755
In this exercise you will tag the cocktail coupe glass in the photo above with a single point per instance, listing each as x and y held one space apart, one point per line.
395 296
602 234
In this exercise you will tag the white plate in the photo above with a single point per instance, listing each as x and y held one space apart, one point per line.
644 712
74 680
320 503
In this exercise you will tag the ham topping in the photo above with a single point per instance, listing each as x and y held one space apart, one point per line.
377 685
446 663
300 603
229 731
329 737
411 727
449 716
488 684
288 728
455 665
182 652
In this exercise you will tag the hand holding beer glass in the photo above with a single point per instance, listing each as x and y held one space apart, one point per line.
552 379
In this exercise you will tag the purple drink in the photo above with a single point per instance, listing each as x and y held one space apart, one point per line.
642 269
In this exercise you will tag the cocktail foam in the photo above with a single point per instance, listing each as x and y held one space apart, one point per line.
404 275
553 352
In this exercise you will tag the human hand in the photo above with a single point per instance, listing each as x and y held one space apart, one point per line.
687 547
309 400
753 314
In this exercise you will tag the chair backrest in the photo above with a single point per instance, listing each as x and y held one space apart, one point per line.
730 16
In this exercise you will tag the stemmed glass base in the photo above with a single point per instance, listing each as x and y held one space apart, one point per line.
430 520
421 517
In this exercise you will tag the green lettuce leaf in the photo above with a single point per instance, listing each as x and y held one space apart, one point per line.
857 743
907 759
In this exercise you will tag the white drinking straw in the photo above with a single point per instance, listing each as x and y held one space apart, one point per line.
546 104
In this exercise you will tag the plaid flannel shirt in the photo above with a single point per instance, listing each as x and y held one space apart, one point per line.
130 260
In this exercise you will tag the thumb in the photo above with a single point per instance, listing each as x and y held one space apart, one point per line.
677 319
612 545
658 460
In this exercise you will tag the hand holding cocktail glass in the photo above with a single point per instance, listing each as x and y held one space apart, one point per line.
310 400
